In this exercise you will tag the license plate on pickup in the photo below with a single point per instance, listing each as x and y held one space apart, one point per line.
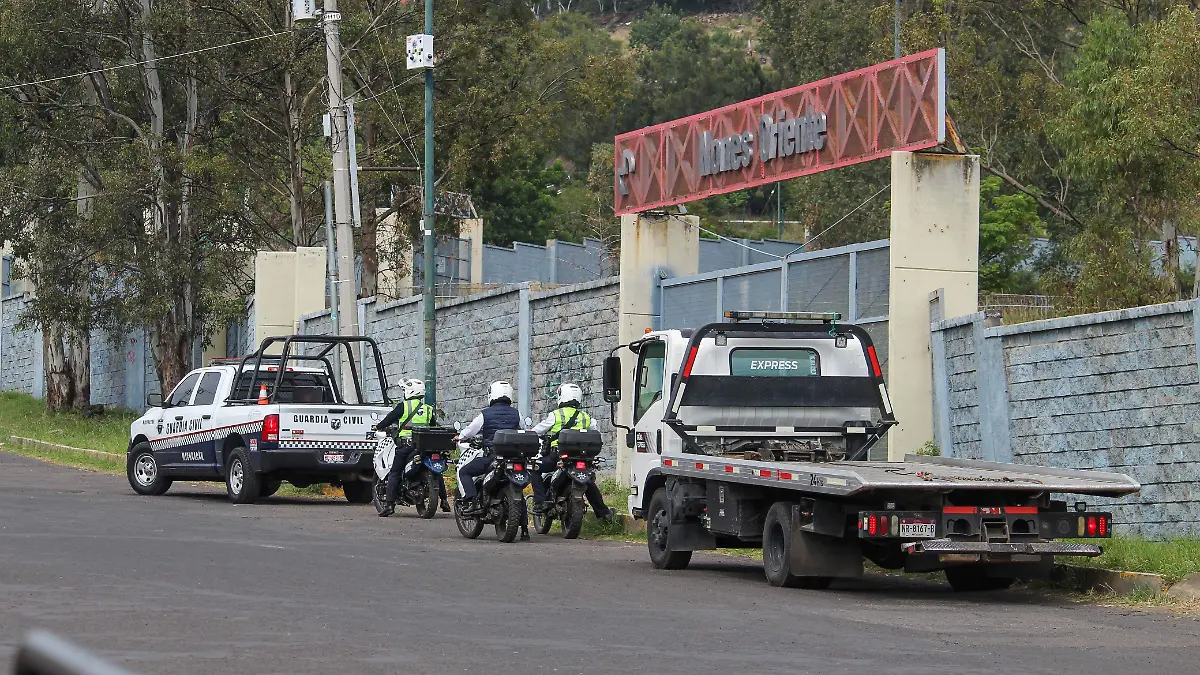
334 457
919 528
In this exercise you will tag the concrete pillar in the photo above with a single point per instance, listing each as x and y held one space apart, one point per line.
934 245
287 285
394 271
652 247
471 229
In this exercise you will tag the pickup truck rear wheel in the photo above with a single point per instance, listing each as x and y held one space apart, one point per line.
358 491
972 579
242 484
658 522
777 551
141 467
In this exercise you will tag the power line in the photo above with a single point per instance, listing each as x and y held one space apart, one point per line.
735 241
138 63
839 220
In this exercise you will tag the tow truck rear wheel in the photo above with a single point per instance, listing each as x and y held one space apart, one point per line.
972 580
657 523
777 551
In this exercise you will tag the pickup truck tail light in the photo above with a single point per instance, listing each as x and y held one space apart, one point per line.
270 432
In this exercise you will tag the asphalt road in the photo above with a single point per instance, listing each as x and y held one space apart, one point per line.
189 583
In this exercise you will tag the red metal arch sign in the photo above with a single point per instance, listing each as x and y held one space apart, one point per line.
846 119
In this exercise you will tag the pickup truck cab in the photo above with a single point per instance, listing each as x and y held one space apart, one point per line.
258 421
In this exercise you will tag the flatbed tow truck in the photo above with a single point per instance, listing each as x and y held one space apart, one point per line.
755 432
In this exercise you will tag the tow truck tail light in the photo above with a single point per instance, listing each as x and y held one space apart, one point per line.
270 432
872 525
1103 524
1091 526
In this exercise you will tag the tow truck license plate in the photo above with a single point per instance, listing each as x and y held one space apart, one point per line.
918 527
332 457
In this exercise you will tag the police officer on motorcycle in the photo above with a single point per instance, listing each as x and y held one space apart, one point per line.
411 412
568 415
500 414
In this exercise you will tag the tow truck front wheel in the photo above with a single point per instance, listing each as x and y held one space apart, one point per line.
143 472
658 521
777 551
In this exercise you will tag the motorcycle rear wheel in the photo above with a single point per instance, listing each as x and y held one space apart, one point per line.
512 514
573 518
427 498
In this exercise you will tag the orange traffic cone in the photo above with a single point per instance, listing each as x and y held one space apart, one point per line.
262 394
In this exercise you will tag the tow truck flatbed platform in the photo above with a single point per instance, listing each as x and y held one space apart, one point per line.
916 472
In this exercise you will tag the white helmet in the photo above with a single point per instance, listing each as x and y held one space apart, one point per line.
414 388
500 389
569 393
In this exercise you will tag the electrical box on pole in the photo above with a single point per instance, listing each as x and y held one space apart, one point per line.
305 13
420 51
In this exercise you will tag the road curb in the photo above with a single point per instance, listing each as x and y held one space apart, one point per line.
1084 579
33 444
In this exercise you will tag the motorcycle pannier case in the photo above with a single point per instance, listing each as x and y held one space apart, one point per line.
579 443
514 443
433 439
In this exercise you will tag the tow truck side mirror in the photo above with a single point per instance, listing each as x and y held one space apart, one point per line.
154 400
612 379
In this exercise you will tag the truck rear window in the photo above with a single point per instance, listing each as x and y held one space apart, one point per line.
297 387
774 362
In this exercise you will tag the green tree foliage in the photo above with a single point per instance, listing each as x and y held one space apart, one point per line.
1007 226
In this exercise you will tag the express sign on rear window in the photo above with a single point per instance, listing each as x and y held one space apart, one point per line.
773 362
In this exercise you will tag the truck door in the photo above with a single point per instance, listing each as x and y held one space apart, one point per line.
203 405
180 428
648 396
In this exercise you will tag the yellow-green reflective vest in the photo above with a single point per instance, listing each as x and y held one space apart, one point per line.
583 422
417 413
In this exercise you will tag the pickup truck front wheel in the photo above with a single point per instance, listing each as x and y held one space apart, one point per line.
242 484
145 477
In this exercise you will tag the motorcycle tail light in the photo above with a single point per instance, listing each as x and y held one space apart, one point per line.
518 467
564 455
435 457
580 465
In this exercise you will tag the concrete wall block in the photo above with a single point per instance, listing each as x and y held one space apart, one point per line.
1085 365
1105 402
1117 343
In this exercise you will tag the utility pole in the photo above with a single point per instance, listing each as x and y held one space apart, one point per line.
347 288
427 221
896 30
331 269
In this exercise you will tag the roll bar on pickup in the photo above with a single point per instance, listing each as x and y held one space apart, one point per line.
330 343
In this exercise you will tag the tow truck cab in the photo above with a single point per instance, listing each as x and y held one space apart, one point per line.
785 391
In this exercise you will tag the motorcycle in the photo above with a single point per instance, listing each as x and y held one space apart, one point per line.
498 491
421 479
578 456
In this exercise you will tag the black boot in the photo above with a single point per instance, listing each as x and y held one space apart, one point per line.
445 506
387 510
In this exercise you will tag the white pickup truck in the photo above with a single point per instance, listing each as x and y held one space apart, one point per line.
258 421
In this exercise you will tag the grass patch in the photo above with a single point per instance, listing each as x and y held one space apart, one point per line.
24 415
76 459
1173 560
